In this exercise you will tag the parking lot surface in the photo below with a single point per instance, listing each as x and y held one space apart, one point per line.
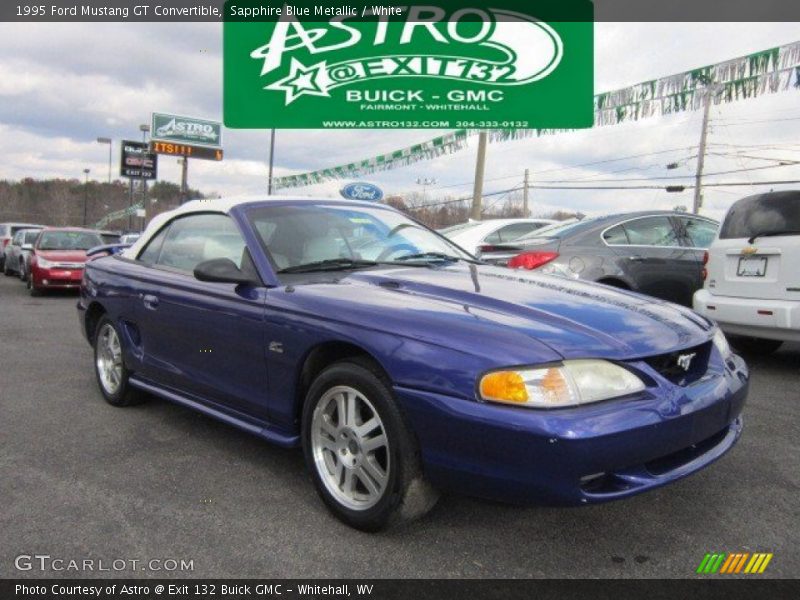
82 479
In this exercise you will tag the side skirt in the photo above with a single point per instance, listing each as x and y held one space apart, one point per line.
263 431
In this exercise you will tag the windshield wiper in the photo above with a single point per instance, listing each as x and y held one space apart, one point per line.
435 256
773 233
330 264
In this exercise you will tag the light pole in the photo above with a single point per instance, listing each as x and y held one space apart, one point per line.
85 193
106 140
271 161
145 129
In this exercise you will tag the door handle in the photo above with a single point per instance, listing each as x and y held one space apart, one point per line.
150 301
636 258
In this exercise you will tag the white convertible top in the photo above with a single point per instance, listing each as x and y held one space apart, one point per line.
220 205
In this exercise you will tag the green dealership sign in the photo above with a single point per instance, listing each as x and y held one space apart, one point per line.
186 130
447 64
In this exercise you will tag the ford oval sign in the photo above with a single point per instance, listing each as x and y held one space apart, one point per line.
362 191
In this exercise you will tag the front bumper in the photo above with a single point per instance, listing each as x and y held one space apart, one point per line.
580 455
771 319
56 278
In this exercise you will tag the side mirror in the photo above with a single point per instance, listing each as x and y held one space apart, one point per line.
27 246
221 270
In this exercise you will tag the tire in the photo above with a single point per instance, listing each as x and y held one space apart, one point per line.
113 378
22 276
386 484
6 271
31 288
751 345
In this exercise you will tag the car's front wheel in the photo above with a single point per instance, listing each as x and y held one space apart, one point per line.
112 375
34 291
752 345
364 461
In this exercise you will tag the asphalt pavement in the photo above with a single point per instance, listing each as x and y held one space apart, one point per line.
80 479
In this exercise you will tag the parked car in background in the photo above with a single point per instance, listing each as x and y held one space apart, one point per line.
752 286
17 252
7 231
129 238
407 366
658 253
58 258
110 237
473 235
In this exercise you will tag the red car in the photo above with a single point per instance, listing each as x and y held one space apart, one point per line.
58 258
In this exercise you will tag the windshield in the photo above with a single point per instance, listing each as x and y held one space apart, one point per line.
766 214
554 230
30 236
69 240
347 236
460 227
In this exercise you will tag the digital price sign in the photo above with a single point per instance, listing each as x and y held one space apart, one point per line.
186 150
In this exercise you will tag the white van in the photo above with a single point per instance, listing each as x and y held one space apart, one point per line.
752 277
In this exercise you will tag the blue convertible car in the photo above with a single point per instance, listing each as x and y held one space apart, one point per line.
401 364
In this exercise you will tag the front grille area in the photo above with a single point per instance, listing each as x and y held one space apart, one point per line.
665 464
672 366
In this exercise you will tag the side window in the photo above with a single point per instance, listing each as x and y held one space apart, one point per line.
197 238
698 233
511 232
17 240
150 253
651 231
616 236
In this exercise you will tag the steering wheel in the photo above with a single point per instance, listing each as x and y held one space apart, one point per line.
392 249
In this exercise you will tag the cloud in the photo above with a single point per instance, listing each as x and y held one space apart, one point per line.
62 85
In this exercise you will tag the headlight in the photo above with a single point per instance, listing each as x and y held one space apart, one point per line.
570 383
722 344
44 264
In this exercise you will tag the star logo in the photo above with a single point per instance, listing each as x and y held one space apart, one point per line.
302 81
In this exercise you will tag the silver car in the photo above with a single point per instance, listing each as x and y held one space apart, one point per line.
17 253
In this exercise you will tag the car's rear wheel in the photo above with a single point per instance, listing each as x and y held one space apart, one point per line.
112 375
752 345
364 461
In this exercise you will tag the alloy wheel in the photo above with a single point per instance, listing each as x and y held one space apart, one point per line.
109 359
350 448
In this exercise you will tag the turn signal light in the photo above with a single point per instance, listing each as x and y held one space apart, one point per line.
705 257
531 260
505 386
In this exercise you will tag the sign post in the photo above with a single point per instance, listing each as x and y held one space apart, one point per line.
186 137
137 163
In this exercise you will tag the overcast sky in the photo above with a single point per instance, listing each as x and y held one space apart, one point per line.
63 85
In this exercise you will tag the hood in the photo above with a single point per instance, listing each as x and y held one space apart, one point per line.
522 316
63 255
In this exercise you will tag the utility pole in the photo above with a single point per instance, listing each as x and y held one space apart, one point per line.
701 151
480 165
526 183
85 193
271 160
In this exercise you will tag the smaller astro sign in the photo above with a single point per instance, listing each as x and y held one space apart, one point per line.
187 150
137 162
362 191
186 130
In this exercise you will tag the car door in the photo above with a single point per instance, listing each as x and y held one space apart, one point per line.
203 339
696 234
654 259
